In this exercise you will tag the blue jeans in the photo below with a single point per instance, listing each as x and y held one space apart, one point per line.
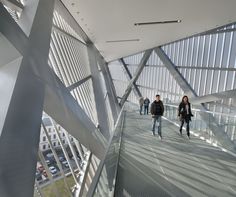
157 119
145 109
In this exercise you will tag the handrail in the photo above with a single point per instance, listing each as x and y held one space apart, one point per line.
96 178
207 111
121 135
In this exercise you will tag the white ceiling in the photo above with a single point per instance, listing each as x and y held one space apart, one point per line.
104 20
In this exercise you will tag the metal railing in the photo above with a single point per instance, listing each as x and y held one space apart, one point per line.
105 178
104 181
202 121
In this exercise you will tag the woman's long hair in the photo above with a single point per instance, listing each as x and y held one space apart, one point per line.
185 97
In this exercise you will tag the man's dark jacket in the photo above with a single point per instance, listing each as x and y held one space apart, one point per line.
157 108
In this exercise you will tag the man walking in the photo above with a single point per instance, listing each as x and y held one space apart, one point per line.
141 100
157 110
146 105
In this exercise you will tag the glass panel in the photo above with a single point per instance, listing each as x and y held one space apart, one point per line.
105 184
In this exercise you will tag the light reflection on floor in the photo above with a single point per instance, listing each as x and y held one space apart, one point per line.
175 166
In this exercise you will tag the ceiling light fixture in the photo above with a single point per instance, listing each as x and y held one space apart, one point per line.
130 40
157 22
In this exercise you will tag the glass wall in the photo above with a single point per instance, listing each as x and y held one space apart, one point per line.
208 64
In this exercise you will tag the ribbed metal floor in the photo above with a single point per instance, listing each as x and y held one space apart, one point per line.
175 166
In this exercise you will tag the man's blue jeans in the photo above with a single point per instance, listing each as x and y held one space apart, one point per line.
145 109
156 122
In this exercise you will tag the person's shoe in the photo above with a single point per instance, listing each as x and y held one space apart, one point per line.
180 132
160 137
153 133
188 137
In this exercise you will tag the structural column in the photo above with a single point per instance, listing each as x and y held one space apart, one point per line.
21 124
115 108
98 93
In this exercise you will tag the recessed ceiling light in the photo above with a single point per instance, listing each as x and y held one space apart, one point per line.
72 4
130 40
157 22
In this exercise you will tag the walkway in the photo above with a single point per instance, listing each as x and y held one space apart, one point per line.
175 166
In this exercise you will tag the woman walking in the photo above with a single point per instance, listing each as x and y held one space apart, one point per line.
185 114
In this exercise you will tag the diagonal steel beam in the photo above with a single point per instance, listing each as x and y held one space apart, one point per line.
215 31
22 120
63 32
136 75
8 28
175 72
110 87
37 88
64 109
55 90
216 96
208 118
207 68
13 5
130 77
92 139
113 101
98 93
121 60
60 8
77 84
